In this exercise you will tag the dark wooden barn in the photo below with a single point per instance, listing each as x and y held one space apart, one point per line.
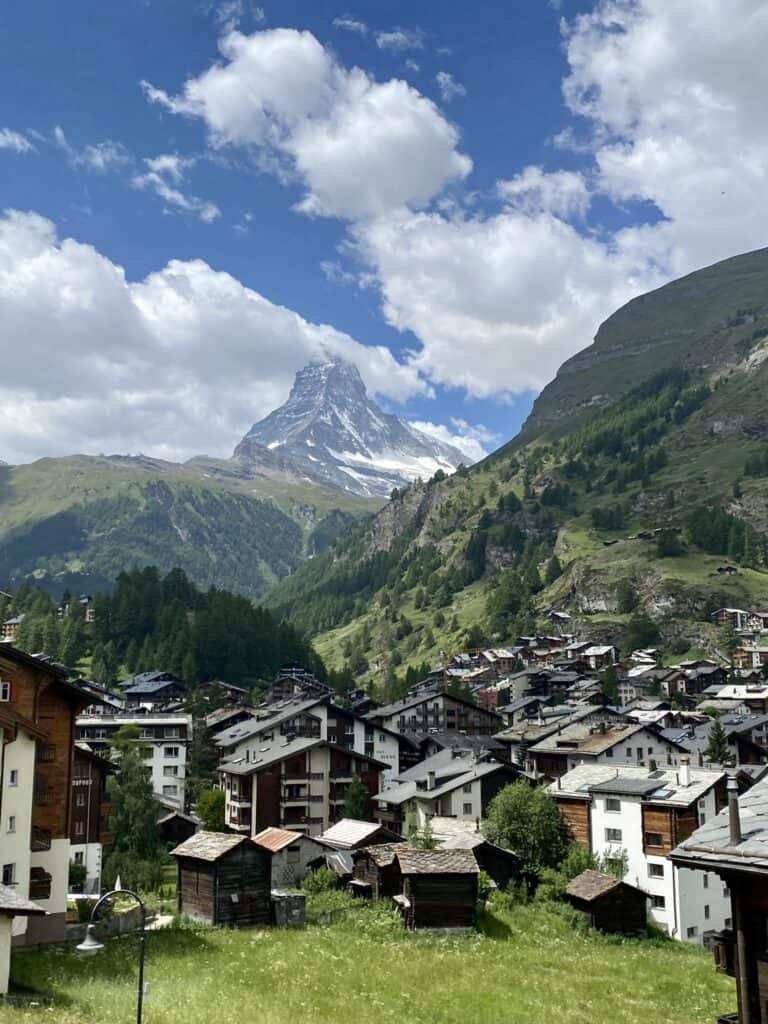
608 904
439 888
174 827
377 871
224 879
503 866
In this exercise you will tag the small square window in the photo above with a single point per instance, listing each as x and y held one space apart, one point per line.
9 874
691 933
467 808
613 835
467 788
655 870
654 839
658 902
612 803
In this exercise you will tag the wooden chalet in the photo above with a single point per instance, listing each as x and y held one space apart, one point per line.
224 879
439 888
377 871
608 904
734 845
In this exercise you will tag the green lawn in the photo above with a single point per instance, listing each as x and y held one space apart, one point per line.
531 967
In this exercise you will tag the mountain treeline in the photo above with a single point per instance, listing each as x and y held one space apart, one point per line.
151 621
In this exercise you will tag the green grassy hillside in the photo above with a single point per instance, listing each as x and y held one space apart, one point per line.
615 447
77 522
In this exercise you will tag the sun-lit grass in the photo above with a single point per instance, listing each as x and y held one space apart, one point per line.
534 969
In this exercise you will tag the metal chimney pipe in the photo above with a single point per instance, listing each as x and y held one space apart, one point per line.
734 819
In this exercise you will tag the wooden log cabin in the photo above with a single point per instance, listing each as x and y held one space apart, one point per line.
377 871
608 904
439 888
224 880
734 845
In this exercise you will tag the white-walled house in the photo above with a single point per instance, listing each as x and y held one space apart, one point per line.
292 853
628 812
602 742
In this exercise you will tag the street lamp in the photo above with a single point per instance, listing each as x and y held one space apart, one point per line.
91 944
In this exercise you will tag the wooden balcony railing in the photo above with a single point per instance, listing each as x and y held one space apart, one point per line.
40 840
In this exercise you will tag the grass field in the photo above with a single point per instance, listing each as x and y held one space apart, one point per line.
530 967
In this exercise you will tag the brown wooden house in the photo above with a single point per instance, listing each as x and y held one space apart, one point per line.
607 903
377 871
224 880
439 888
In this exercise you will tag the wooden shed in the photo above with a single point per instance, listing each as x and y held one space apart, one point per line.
503 866
224 879
608 904
439 888
377 871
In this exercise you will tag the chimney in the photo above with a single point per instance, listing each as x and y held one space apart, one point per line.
684 774
734 819
430 780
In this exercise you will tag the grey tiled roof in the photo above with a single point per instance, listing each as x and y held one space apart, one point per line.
14 905
711 842
436 862
207 846
591 885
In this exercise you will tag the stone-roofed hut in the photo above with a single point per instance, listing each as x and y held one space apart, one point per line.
608 904
224 879
439 888
377 871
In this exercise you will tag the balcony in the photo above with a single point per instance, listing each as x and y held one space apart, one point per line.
39 884
343 776
40 840
243 800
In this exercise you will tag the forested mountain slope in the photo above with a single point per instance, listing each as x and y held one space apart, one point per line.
659 426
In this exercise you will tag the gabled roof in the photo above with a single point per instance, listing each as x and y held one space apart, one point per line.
711 843
350 833
151 682
592 885
208 846
276 839
273 751
382 855
265 719
7 650
436 862
661 786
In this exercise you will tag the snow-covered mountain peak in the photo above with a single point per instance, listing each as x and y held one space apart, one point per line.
336 433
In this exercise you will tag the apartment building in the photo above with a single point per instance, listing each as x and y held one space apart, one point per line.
312 718
633 813
165 737
38 708
436 712
298 784
600 742
89 814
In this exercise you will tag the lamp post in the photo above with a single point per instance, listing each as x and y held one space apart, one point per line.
91 944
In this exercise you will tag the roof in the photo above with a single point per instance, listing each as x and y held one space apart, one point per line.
7 650
276 839
350 833
384 854
222 714
151 682
464 772
711 842
436 862
588 739
208 846
635 780
264 719
14 905
274 751
405 705
592 885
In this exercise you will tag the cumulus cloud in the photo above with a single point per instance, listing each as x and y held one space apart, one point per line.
163 176
534 191
359 147
99 156
449 87
170 365
472 441
399 39
351 24
15 141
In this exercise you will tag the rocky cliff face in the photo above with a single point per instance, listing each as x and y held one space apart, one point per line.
333 432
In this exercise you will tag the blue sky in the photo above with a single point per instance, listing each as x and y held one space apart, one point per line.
534 165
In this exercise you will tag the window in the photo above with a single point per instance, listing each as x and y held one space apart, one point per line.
658 902
294 854
79 857
612 803
172 732
655 870
79 828
609 752
702 817
9 874
728 923
706 911
467 808
629 752
691 933
705 881
5 691
650 750
80 799
613 835
654 839
170 790
170 771
726 891
11 822
170 752
467 788
13 777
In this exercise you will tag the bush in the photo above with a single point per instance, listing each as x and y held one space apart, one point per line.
77 875
322 880
511 896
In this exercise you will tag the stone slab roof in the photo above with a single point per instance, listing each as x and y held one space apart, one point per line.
208 846
437 862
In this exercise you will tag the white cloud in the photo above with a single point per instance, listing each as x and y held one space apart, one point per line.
351 24
99 156
165 172
534 191
412 65
359 147
467 438
171 365
449 87
399 39
336 273
15 141
230 13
